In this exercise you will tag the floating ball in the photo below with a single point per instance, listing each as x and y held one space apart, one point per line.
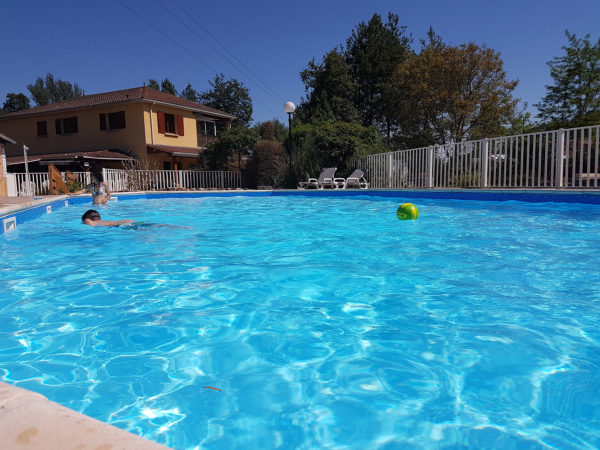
407 211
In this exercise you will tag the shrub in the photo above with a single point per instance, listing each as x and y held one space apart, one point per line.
269 161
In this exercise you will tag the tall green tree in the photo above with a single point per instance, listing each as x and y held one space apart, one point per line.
238 139
15 102
168 87
152 83
48 90
373 52
574 98
329 91
459 92
189 93
230 96
335 143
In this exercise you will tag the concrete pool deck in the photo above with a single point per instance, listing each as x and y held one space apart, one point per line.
31 421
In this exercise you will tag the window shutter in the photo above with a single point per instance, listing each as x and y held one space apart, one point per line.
180 125
103 121
57 123
161 121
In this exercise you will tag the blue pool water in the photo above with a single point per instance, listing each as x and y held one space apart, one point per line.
325 323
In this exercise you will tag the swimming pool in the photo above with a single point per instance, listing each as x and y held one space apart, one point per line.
324 322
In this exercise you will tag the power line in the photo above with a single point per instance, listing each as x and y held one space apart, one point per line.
264 84
184 48
168 37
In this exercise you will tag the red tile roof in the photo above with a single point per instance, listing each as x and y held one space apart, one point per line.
138 94
115 155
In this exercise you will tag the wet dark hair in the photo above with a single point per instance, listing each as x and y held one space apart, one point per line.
91 214
97 173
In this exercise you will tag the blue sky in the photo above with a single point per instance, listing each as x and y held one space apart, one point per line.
103 46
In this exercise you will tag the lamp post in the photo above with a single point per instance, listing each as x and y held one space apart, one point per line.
289 108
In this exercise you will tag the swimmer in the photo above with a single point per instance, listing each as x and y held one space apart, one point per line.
92 218
99 189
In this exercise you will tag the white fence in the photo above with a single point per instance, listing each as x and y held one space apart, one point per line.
566 158
38 182
137 180
161 180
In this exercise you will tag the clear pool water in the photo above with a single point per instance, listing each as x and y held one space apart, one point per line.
325 323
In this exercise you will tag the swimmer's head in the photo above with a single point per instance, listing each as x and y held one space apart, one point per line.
90 214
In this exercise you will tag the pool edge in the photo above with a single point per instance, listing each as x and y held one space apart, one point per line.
29 420
11 217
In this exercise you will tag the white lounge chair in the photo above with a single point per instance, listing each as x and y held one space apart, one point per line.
325 180
356 180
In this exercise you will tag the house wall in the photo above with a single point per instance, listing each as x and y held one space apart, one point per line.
142 128
153 136
89 136
189 138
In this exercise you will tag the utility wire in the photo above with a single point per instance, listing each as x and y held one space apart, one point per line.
258 79
184 48
168 37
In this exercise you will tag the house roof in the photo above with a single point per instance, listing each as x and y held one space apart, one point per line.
4 139
190 152
110 155
133 95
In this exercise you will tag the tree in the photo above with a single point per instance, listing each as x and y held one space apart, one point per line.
459 92
268 157
230 96
335 144
168 87
152 83
330 91
189 93
373 52
237 139
574 98
15 102
278 130
49 90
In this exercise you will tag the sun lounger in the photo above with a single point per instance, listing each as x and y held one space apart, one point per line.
325 180
356 180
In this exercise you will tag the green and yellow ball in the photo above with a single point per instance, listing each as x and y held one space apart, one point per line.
407 211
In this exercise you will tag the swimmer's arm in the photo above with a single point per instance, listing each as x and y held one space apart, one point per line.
106 223
115 223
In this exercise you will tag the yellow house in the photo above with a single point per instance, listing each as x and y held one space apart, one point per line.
112 126
3 182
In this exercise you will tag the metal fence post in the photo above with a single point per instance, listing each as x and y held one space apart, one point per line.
430 167
560 156
484 163
389 170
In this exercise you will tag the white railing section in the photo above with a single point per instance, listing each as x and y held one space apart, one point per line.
160 180
38 182
566 158
137 180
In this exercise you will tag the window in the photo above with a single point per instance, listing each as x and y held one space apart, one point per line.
116 121
66 126
170 123
205 128
42 128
